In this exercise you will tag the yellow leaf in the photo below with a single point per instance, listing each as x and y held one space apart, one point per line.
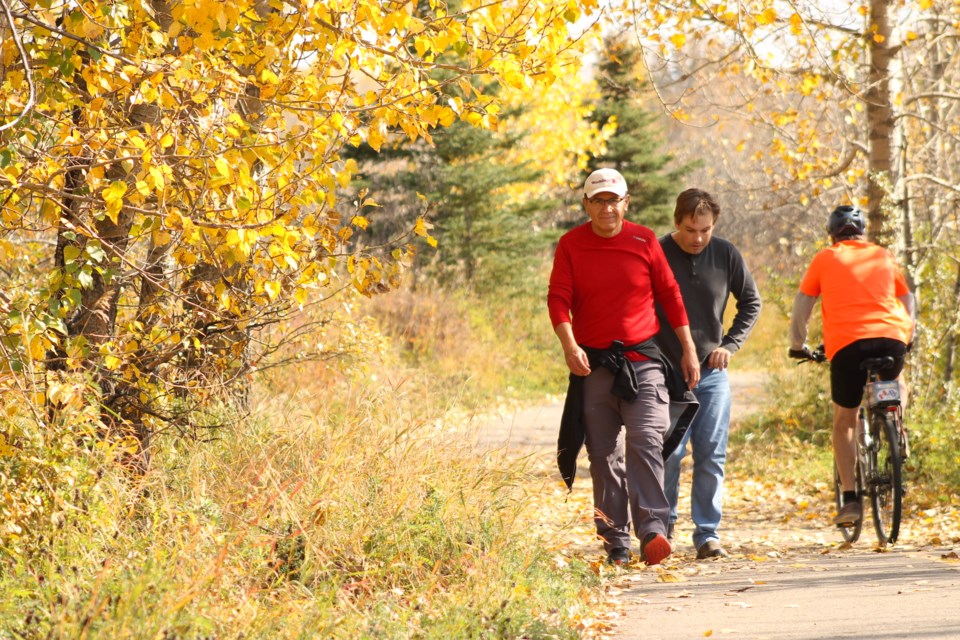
114 192
420 228
666 576
113 198
375 139
796 23
769 16
223 167
161 237
272 287
878 38
157 175
5 449
166 141
269 77
678 40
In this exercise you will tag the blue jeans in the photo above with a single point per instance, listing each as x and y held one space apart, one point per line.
707 436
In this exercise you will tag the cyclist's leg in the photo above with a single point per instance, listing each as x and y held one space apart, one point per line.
846 390
844 445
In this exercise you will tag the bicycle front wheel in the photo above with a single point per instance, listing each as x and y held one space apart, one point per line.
885 483
850 533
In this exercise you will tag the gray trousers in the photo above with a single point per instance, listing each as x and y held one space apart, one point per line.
627 480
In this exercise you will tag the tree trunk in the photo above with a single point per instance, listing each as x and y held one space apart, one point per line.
879 120
950 344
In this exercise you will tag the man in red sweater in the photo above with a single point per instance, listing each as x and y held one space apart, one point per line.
606 275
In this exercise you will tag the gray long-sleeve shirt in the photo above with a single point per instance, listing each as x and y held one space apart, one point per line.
706 281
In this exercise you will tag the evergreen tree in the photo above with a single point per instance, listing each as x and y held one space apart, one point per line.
634 149
487 241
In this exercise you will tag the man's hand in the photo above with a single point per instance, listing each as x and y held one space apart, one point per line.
573 355
719 358
804 353
577 362
691 368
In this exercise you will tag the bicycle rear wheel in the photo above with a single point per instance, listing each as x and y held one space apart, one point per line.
885 483
850 533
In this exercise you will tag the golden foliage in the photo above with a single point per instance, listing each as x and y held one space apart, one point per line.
175 178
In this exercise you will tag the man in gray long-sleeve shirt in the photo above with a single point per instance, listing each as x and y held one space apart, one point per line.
708 270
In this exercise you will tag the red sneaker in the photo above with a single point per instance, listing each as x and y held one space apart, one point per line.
655 548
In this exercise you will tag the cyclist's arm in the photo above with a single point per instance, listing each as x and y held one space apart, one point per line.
802 308
909 301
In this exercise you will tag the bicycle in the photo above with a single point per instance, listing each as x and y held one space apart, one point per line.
881 449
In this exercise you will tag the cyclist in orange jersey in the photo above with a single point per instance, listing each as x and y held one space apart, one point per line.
867 312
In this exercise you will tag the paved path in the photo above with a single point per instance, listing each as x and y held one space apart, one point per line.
788 576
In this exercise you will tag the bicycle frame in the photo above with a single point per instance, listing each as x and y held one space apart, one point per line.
880 450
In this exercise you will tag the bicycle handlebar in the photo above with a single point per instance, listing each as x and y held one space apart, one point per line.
808 355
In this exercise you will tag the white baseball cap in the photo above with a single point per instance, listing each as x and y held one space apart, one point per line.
605 180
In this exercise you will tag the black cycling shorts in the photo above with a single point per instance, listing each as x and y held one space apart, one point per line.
846 377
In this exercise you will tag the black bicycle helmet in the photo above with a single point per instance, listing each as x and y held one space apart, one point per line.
845 221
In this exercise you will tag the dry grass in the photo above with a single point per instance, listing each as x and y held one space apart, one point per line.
344 507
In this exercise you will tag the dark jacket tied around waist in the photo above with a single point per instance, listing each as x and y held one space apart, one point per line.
572 433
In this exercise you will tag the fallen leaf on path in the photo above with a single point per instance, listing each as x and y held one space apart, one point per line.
682 594
633 577
668 577
674 608
742 605
736 591
950 556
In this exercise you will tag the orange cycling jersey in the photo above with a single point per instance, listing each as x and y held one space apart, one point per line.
859 284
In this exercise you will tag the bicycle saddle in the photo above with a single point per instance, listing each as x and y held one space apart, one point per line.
877 364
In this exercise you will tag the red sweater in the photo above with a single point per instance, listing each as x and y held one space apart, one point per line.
609 286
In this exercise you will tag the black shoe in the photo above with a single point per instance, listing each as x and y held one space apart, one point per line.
618 556
670 532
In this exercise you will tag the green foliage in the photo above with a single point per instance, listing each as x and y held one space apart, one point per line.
488 239
635 147
934 461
